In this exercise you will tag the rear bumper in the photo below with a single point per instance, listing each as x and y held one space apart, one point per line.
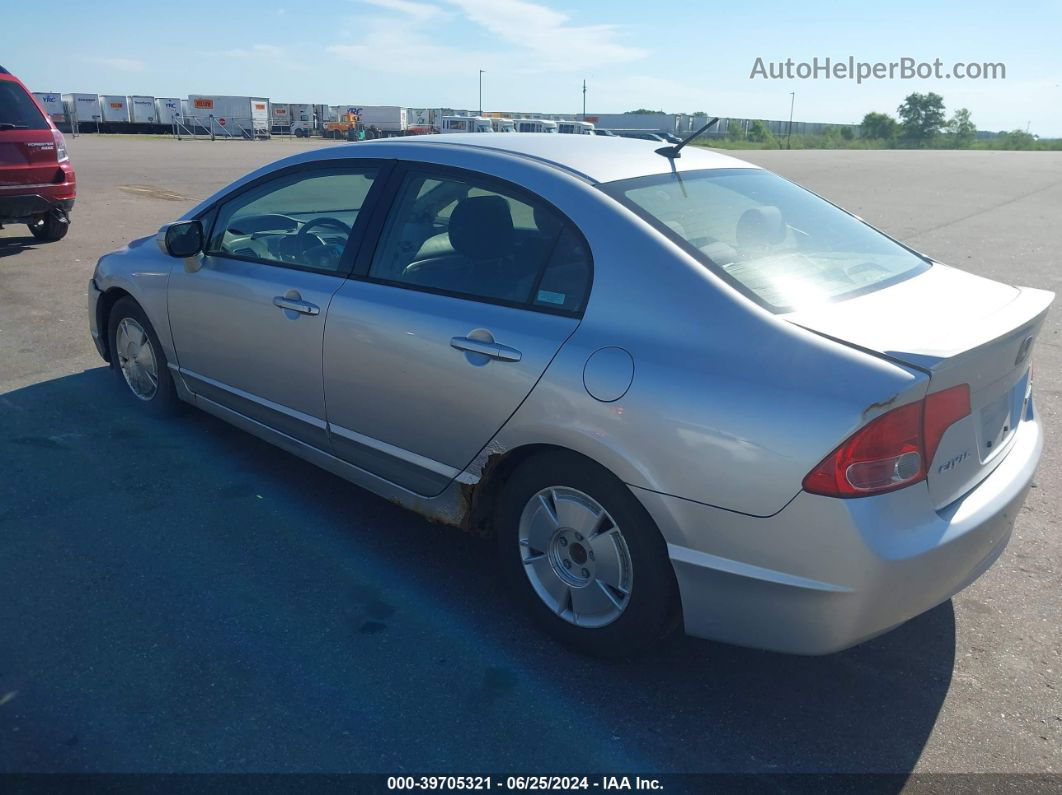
24 206
824 574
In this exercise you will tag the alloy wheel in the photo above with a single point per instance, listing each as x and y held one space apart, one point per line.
575 557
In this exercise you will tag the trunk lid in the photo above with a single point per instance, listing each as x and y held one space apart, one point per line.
27 157
961 329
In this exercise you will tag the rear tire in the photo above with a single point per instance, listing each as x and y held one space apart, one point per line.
137 357
583 558
49 227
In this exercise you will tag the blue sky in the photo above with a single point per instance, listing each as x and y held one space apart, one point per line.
674 56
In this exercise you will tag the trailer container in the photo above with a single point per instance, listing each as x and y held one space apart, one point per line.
389 118
52 104
83 108
280 118
167 109
142 110
230 116
115 108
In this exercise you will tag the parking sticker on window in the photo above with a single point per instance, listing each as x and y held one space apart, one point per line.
551 298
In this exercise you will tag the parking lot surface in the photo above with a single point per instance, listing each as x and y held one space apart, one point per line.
179 596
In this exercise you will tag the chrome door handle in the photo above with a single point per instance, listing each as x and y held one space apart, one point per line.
494 350
296 305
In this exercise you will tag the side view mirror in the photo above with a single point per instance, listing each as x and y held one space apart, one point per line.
184 239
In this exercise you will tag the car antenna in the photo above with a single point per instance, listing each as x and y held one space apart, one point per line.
671 152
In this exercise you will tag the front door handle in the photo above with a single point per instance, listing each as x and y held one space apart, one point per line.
494 350
296 305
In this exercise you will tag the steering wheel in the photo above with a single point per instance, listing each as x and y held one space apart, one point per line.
319 253
304 230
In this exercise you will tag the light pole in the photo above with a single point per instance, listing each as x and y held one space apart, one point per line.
481 71
584 100
789 134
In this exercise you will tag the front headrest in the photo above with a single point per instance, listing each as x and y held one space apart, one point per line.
481 227
760 226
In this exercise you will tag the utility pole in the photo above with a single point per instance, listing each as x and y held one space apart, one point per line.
789 135
584 100
481 71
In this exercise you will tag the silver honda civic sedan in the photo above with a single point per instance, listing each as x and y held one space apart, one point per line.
677 390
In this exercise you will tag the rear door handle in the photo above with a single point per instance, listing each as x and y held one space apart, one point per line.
494 350
296 305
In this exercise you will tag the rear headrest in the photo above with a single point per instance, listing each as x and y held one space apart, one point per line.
481 227
760 226
546 221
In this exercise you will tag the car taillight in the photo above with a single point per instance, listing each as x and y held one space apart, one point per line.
944 409
60 146
893 450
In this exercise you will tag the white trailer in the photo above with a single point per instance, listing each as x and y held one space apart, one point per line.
52 104
280 113
535 125
389 118
167 109
83 108
575 127
503 125
230 116
115 108
142 110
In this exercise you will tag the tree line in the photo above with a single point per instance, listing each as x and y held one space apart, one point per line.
920 122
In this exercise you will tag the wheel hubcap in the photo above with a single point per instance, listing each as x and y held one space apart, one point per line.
575 557
136 358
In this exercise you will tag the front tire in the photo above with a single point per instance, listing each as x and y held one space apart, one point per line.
583 557
137 356
50 227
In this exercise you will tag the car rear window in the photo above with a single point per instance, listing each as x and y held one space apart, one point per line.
18 111
779 244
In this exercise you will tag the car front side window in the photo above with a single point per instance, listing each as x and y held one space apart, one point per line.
472 238
301 219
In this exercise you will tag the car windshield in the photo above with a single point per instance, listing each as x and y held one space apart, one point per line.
18 111
779 244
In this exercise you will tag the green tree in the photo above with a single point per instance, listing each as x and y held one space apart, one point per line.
641 111
961 129
879 126
735 130
922 116
1017 139
758 131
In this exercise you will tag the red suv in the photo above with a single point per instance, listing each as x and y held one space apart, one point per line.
37 182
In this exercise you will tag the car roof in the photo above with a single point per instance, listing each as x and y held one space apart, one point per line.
594 158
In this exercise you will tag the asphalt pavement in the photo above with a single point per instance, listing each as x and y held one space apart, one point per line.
179 596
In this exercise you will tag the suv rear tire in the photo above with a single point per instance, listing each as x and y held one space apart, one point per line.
49 227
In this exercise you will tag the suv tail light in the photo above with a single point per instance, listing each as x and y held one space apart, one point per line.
60 146
891 451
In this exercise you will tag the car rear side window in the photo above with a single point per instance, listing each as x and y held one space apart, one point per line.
779 244
18 111
302 219
474 239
